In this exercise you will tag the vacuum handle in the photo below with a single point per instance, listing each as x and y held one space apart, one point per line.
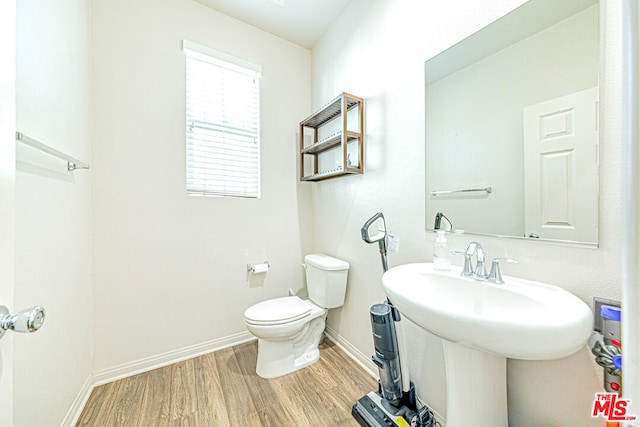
374 234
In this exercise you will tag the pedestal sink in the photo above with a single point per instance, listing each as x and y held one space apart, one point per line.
482 324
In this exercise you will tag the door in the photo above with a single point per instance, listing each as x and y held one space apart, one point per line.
560 164
7 181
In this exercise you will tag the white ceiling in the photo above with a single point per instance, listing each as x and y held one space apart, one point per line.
302 22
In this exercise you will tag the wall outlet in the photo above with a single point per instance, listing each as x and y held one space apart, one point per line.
597 304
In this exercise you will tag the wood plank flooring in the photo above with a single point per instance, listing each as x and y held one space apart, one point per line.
222 389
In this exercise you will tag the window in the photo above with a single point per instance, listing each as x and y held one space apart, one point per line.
223 118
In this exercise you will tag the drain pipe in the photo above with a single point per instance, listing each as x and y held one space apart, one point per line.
630 202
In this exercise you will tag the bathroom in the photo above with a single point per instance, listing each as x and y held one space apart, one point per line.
133 272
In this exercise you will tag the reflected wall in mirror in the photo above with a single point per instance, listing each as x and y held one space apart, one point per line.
512 126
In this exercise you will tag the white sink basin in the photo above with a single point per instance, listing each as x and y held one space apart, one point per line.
482 324
519 319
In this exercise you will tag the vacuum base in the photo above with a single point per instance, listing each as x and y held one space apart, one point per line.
371 411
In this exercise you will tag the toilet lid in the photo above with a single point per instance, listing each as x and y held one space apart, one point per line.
277 310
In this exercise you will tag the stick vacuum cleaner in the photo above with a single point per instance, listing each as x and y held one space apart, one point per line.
394 403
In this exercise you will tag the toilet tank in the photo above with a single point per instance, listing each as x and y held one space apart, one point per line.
326 280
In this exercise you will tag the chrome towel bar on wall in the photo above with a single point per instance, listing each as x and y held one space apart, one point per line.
72 164
464 190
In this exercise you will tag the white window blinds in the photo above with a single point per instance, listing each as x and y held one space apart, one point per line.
223 118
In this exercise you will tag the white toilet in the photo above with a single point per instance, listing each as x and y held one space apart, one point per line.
289 329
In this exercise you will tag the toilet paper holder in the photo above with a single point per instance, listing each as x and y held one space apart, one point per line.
258 268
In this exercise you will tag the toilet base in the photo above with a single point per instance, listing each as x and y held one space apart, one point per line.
281 357
273 368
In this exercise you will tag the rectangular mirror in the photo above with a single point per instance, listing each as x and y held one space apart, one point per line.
512 126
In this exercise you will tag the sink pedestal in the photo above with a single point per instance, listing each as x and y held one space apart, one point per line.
476 387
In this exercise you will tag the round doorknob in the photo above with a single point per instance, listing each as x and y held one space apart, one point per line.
29 320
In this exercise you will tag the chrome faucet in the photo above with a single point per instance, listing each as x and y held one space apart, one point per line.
480 272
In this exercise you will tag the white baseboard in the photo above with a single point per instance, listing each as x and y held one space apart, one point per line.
359 357
147 364
74 412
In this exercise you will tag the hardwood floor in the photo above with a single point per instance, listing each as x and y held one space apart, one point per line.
222 389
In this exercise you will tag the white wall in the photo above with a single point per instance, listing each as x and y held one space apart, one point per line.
169 270
382 59
52 227
490 143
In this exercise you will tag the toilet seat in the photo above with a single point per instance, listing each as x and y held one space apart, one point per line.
277 311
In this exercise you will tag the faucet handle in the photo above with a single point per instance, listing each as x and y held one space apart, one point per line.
467 270
496 275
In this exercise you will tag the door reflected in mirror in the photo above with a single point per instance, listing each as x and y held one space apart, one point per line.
512 126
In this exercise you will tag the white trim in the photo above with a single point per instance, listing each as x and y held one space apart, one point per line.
205 50
149 363
360 358
73 415
631 203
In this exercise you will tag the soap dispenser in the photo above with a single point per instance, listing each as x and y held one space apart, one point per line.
441 260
